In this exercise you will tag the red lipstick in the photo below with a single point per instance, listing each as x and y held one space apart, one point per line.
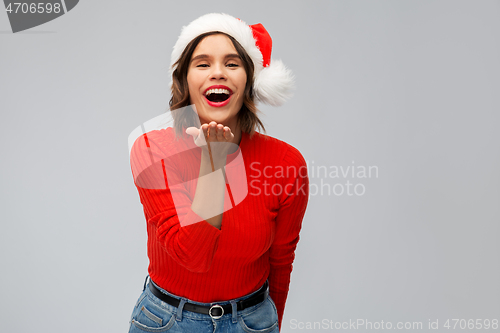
218 104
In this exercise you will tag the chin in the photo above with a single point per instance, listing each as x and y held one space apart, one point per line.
219 120
219 116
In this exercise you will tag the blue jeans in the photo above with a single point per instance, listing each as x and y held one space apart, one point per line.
153 315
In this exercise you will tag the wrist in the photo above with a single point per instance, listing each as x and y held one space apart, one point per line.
217 157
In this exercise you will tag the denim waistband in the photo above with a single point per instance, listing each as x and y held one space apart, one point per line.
184 300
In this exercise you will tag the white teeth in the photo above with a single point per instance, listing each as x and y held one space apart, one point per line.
217 91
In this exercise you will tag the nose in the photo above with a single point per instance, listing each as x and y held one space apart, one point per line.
218 72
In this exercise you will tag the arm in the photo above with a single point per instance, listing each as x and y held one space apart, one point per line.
187 227
293 203
189 239
208 201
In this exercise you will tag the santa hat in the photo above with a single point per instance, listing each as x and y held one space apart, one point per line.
272 80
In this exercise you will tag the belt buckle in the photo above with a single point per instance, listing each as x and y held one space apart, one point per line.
215 306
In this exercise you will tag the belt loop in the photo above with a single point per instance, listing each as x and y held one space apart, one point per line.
234 311
145 282
179 309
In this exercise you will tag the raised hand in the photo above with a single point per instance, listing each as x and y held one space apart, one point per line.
215 137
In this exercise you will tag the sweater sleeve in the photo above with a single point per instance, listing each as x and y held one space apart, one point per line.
293 202
185 236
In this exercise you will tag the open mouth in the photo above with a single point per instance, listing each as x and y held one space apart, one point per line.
217 95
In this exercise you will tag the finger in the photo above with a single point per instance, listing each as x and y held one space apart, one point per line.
228 134
213 129
193 131
200 138
204 128
220 132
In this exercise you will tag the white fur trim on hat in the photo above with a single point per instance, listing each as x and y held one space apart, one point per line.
272 84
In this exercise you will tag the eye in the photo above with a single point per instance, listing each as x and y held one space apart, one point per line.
202 65
232 65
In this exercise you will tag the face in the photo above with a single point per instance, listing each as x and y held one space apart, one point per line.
216 79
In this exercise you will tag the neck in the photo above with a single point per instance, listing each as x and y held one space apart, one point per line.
237 134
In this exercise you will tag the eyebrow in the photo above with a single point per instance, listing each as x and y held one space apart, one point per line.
205 56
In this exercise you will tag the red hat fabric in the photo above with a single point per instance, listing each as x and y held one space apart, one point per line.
263 41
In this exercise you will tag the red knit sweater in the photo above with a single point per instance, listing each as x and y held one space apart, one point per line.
258 236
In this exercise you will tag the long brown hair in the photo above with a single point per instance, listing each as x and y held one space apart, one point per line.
247 116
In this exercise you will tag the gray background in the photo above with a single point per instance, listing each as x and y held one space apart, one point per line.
408 86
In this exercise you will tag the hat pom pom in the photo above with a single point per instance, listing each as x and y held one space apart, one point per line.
274 84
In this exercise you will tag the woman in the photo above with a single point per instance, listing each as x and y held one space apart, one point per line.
223 203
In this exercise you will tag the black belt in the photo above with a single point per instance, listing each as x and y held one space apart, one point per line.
215 311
